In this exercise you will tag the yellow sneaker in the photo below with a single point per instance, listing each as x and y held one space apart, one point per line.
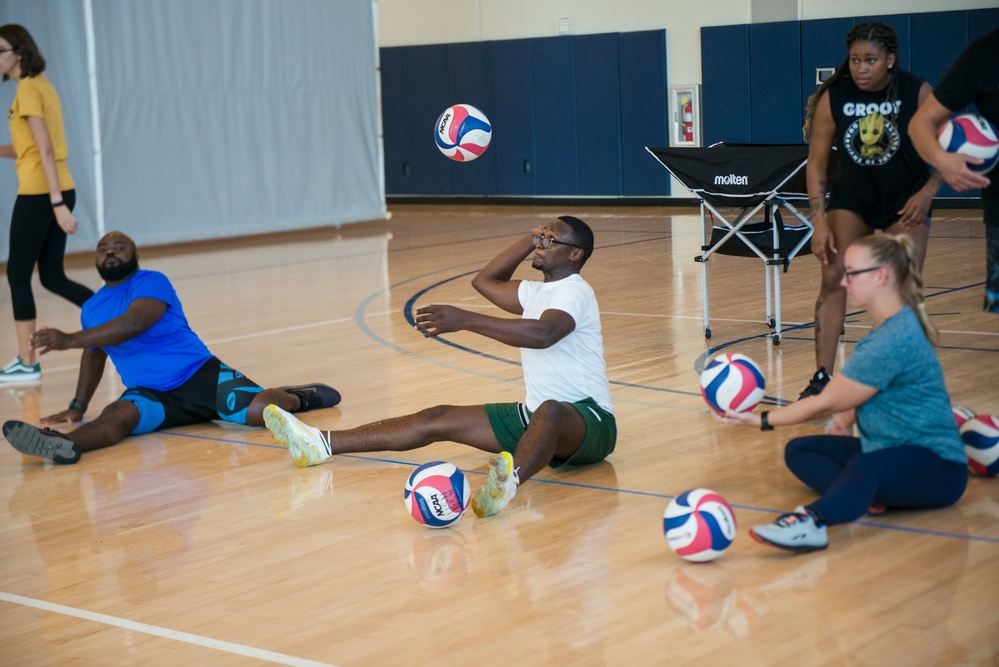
500 487
305 443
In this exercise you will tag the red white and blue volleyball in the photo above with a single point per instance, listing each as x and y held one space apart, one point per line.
437 494
973 135
732 381
463 132
981 443
961 414
699 525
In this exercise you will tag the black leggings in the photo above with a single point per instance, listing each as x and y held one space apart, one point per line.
36 237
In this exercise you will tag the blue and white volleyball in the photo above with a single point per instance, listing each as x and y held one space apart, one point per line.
699 525
732 382
981 443
972 135
463 132
437 494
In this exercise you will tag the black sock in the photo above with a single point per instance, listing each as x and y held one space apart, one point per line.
816 517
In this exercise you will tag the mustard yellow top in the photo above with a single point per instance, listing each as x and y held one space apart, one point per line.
37 98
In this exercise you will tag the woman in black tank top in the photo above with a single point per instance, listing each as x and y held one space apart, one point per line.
879 181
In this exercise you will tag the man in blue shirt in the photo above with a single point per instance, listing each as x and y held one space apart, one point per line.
172 378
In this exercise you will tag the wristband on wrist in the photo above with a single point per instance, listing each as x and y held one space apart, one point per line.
77 405
765 421
57 204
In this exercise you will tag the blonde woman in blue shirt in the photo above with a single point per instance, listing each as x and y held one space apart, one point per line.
909 453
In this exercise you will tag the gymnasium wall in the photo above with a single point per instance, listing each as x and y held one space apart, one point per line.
570 115
757 78
209 118
772 114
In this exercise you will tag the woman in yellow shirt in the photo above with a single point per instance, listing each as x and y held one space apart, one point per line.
43 211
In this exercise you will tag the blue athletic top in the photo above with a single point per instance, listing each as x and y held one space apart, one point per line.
164 356
912 406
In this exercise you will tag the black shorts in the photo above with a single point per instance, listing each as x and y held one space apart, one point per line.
879 217
215 391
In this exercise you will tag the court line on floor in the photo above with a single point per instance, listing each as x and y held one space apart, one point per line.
166 633
610 489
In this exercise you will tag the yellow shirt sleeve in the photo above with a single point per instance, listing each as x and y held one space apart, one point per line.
36 98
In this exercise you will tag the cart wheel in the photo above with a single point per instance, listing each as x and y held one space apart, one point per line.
707 332
771 322
776 338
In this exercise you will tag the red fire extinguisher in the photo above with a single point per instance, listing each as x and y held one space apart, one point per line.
688 119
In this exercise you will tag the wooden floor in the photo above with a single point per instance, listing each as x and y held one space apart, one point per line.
205 545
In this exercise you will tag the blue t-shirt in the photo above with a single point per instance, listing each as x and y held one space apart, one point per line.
912 406
164 356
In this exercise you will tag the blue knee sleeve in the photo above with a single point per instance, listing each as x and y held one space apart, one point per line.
151 413
234 395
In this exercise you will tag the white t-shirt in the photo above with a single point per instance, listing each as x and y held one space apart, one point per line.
572 369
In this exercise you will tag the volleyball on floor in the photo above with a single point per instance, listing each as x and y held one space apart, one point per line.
971 135
699 525
463 132
981 443
961 414
732 382
437 494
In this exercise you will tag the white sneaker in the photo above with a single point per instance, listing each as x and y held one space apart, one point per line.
19 372
305 443
794 531
500 487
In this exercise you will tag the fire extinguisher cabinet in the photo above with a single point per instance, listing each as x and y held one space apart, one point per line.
685 112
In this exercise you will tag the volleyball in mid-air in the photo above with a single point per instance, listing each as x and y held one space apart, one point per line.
437 494
732 382
699 525
971 135
463 132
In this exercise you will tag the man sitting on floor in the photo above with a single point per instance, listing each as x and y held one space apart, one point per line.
172 378
566 417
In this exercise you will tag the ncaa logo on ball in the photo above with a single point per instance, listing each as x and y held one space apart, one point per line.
462 133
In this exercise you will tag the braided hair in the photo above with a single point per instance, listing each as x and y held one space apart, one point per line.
898 253
876 33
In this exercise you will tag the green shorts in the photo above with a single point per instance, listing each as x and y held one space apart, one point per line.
509 422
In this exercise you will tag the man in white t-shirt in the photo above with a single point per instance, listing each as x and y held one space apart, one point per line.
566 417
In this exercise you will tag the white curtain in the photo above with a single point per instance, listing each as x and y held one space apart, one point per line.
217 118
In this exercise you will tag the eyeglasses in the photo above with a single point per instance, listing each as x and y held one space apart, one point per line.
850 274
547 241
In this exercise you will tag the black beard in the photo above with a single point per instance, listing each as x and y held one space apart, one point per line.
116 273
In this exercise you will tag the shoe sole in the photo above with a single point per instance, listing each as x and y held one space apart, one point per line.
784 547
482 507
287 434
274 422
34 442
21 379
